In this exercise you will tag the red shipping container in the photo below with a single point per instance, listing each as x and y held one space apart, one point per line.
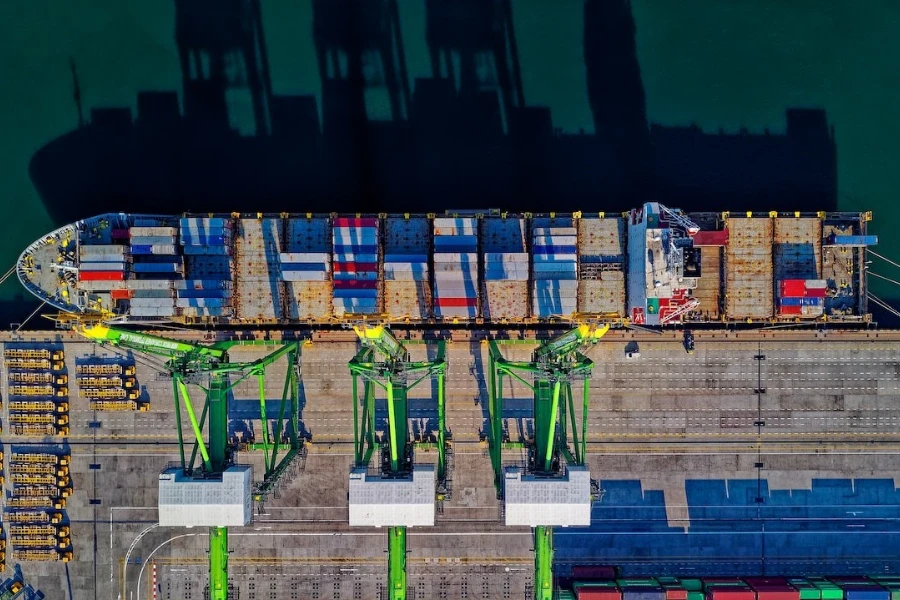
356 222
676 594
120 294
790 310
101 276
711 238
770 593
119 234
355 284
768 582
730 593
354 267
597 593
593 572
793 288
456 302
815 292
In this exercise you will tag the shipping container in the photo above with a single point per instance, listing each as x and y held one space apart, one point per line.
811 301
101 252
203 250
819 293
643 593
305 276
151 311
101 266
163 250
730 593
356 276
355 222
793 288
349 293
299 266
452 226
852 240
201 302
355 284
354 267
405 258
357 258
119 234
787 301
156 267
305 257
595 591
157 293
120 294
157 302
790 310
152 231
188 239
203 222
866 593
101 276
152 240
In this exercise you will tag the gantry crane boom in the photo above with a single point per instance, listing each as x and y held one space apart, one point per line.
185 362
384 361
554 365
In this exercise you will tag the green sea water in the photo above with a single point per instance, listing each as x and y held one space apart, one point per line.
719 64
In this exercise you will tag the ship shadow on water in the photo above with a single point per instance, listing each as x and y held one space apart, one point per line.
462 138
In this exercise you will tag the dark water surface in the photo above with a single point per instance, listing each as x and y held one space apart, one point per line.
594 66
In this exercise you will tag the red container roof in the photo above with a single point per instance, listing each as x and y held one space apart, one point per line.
676 594
777 594
354 267
456 302
597 593
355 284
731 593
356 222
711 238
101 276
816 292
120 294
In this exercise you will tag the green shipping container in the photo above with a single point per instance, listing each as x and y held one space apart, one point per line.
829 590
692 585
696 596
807 590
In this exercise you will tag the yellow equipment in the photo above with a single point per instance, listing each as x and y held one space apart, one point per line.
42 406
39 457
34 429
33 516
31 390
39 479
39 469
103 393
36 502
33 353
99 369
40 419
34 542
44 555
28 363
47 529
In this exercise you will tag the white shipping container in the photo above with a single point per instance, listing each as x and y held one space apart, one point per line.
554 231
165 249
816 284
150 311
459 276
149 284
347 257
101 266
507 274
455 257
555 240
554 258
151 231
102 286
107 252
455 268
505 257
305 257
363 237
304 275
157 302
455 226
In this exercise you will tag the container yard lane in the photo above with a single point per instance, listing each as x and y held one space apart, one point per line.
711 462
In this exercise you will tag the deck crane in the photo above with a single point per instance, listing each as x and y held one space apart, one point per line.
555 489
195 363
385 362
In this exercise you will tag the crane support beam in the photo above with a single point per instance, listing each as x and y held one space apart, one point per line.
543 563
397 563
218 563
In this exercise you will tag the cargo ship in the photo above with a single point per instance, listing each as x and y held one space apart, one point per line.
652 266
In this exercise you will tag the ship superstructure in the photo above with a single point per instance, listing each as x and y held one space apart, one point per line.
653 265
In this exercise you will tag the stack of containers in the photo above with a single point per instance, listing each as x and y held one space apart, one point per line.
102 265
727 588
205 236
802 297
889 582
153 240
673 588
827 589
203 297
861 588
505 268
772 588
355 265
407 291
455 267
641 589
596 590
805 589
305 266
555 255
694 588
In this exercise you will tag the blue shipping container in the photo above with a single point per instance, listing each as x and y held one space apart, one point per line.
791 301
811 301
854 240
355 293
406 258
142 249
213 293
202 240
156 267
866 594
202 222
201 250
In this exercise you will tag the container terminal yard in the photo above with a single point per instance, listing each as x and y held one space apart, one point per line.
761 453
486 405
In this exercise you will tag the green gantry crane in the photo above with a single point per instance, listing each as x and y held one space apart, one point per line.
384 362
554 366
193 363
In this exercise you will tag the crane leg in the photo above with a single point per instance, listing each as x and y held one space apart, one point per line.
397 563
218 563
543 563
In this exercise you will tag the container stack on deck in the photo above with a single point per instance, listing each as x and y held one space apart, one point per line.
206 296
455 267
309 292
804 297
101 266
355 265
505 268
554 251
601 267
407 290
